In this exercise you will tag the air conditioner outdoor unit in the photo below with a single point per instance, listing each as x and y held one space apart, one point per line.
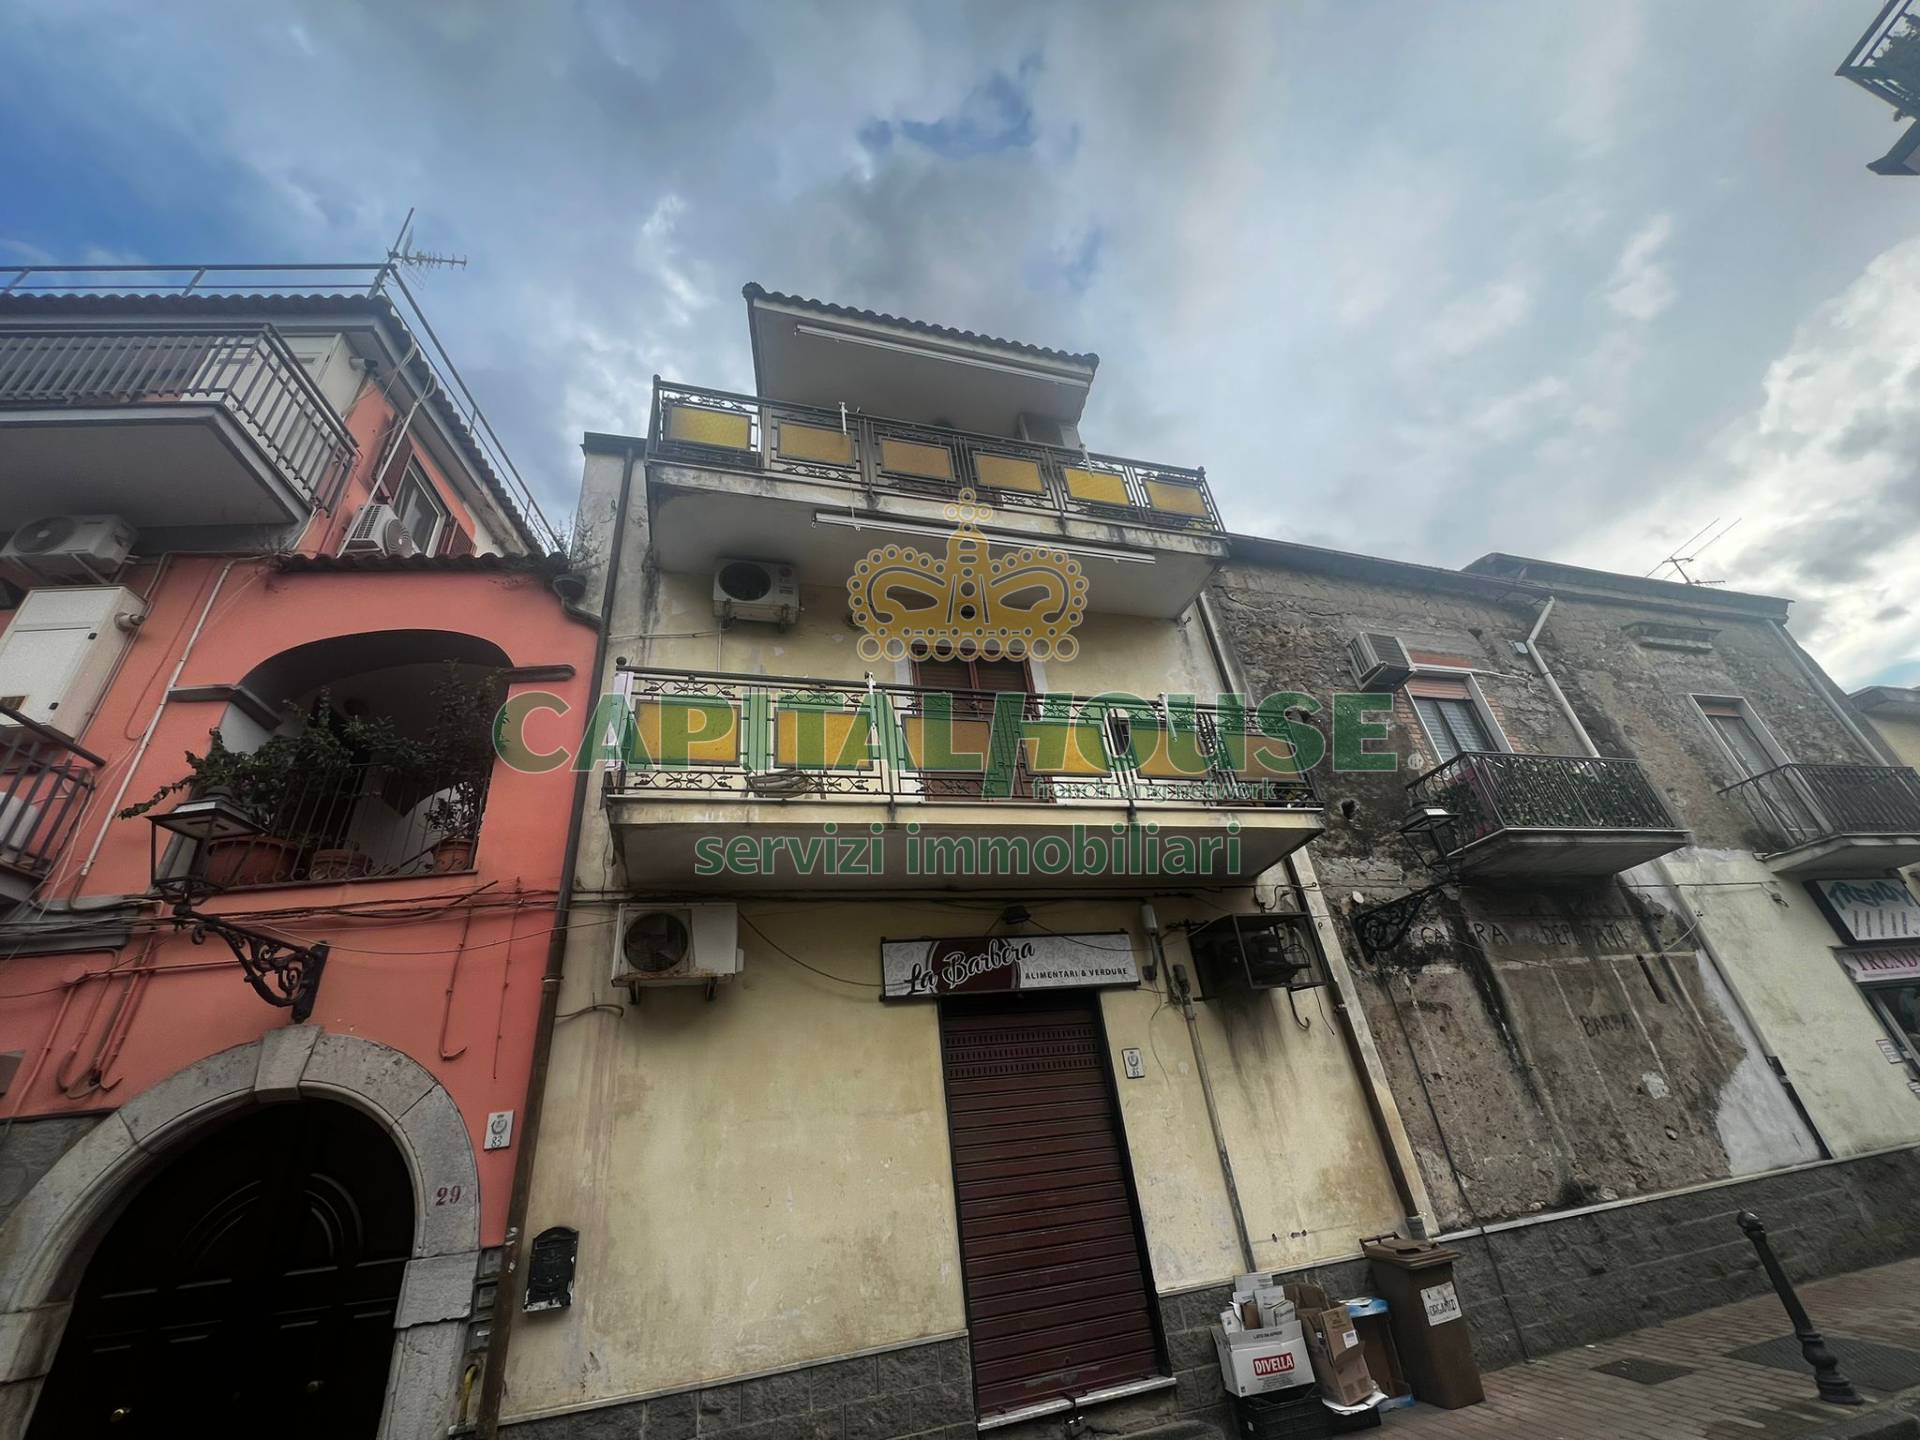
1273 951
1380 662
379 530
756 590
85 549
675 944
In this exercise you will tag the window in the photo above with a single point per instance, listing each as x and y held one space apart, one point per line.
1452 715
1899 1009
1740 731
420 510
972 715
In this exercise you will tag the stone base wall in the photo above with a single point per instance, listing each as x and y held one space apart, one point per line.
922 1392
1575 1279
30 1148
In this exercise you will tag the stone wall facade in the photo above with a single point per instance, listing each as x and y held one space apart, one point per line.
30 1148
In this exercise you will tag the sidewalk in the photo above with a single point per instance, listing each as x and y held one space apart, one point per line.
1719 1397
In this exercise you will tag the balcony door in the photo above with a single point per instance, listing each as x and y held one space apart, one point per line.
1760 760
973 684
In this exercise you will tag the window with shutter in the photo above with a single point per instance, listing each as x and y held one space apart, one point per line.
1451 717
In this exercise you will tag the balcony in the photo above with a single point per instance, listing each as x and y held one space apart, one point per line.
1885 61
1510 816
45 783
166 428
737 475
1827 820
751 783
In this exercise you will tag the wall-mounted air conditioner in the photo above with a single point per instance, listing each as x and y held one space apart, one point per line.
379 530
756 590
691 944
1380 662
1277 950
66 549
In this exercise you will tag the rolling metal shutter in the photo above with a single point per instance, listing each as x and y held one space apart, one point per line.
1058 1301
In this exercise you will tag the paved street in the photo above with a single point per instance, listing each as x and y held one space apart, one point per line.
1565 1397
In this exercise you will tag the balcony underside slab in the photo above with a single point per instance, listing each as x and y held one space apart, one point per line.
152 465
824 530
658 839
1517 854
1842 855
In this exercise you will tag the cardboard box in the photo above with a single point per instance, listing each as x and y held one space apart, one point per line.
1339 1364
1253 1362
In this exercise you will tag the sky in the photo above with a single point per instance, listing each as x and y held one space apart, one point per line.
1418 280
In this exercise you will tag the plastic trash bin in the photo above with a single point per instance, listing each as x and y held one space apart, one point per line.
1415 1277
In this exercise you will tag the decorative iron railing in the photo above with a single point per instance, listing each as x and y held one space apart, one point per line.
1487 792
248 371
45 783
1886 60
1798 804
745 432
350 822
754 737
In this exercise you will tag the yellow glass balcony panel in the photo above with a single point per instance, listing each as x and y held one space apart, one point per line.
903 457
1008 472
812 738
1177 499
1168 757
1065 747
1096 485
697 425
675 731
811 442
934 744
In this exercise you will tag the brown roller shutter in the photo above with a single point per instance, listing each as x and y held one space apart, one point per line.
1058 1299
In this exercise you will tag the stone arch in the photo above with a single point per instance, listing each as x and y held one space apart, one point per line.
47 1242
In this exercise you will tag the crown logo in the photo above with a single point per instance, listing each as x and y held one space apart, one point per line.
968 604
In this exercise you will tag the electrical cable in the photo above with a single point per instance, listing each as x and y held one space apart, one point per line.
824 974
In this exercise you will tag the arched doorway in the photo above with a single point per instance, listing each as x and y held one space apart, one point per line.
248 1288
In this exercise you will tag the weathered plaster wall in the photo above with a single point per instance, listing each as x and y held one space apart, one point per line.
1550 1044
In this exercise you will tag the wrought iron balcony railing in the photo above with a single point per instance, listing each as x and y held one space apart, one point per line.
752 737
45 783
247 371
349 822
1800 804
1491 792
745 432
1885 61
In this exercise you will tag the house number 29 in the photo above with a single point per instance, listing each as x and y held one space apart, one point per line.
447 1195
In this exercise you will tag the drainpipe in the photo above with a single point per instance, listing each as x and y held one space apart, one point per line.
507 1299
1824 687
1177 979
1695 930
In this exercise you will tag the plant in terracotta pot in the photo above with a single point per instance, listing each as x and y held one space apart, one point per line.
292 787
459 761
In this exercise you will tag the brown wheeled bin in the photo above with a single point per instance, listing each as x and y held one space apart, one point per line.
1429 1329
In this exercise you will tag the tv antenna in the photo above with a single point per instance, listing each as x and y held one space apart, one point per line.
1680 562
402 253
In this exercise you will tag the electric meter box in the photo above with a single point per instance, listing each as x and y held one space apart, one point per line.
61 649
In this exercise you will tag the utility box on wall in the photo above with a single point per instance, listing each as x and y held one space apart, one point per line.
60 651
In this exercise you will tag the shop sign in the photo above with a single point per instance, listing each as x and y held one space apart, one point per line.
1882 964
1872 909
997 964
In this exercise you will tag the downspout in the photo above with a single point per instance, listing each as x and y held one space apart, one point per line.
1824 687
507 1301
1404 1189
1695 930
1177 979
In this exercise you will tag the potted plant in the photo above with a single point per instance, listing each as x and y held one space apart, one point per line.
575 560
458 762
283 787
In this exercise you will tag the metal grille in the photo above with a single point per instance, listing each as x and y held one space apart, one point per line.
1797 804
747 437
1058 1298
865 745
1490 791
248 371
45 783
1885 61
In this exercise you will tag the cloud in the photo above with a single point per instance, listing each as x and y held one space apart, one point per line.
1641 286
